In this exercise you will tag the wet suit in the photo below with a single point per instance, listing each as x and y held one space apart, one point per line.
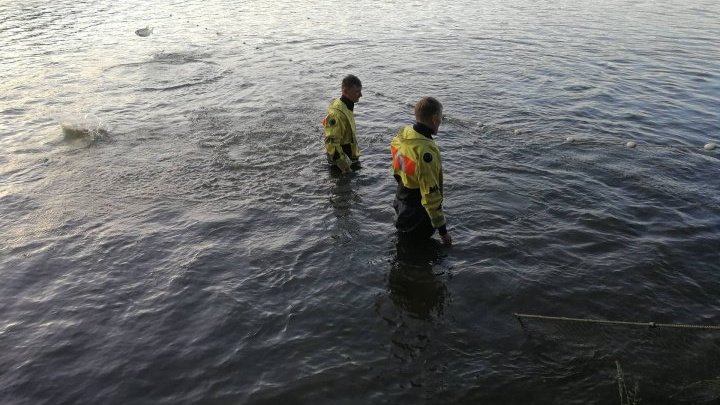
417 169
340 135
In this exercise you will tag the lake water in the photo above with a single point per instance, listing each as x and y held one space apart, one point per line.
171 233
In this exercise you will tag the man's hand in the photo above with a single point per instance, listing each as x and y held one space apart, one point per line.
446 239
343 163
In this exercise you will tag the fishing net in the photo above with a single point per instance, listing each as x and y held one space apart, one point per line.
668 363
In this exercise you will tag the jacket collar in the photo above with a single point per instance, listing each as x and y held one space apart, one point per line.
423 129
349 104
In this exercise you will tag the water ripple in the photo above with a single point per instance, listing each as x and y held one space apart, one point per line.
190 245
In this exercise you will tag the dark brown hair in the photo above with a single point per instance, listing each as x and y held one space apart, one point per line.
427 108
350 81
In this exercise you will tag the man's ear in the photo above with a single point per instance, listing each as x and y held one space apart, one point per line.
437 120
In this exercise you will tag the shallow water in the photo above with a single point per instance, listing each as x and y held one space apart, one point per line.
171 233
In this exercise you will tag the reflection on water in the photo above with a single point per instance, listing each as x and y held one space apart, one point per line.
342 193
418 295
414 288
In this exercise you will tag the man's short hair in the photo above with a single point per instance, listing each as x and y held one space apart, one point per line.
427 108
350 81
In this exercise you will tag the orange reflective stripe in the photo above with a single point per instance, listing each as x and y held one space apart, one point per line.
395 160
408 165
401 162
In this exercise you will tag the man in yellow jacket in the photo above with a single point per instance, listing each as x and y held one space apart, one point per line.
417 167
341 143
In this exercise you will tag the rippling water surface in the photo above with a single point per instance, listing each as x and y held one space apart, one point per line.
171 233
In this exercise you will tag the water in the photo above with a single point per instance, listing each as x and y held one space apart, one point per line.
171 234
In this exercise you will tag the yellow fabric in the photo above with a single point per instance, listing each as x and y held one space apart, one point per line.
340 130
410 151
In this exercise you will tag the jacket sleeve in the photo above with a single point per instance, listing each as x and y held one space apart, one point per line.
429 178
335 130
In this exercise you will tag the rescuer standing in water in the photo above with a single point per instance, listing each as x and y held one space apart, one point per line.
417 169
340 135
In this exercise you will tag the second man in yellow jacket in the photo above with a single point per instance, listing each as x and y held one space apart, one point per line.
341 143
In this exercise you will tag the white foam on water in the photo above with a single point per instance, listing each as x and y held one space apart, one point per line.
87 127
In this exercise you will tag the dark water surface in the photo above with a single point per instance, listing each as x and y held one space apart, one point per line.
171 233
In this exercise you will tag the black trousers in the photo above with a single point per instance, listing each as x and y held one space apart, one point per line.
411 219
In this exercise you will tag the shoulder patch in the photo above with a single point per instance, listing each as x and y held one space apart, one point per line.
329 121
427 156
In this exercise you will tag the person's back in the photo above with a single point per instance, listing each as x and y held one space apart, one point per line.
417 168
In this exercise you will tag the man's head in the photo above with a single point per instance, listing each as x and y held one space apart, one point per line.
352 88
429 111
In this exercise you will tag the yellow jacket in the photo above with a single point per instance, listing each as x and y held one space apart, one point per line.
416 161
340 135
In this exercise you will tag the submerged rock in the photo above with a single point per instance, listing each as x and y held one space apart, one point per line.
144 32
